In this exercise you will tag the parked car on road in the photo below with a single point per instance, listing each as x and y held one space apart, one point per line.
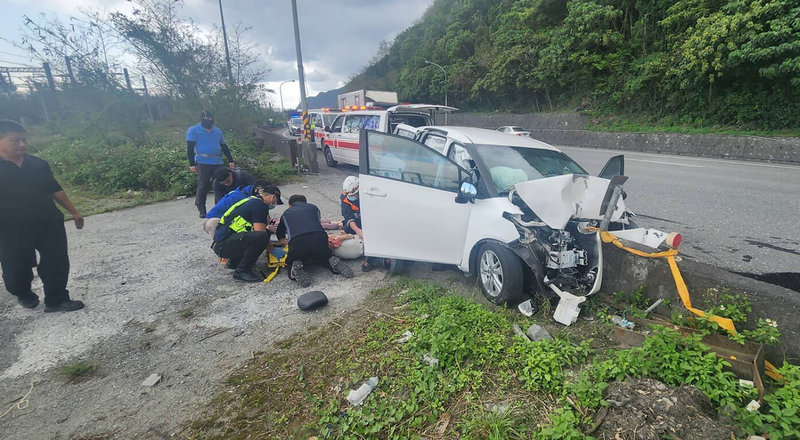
341 143
295 126
517 212
515 130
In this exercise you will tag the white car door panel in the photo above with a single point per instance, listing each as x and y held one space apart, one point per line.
408 206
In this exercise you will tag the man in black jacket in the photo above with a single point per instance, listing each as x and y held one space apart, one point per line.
308 241
228 179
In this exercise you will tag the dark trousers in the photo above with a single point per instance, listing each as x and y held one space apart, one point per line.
243 249
310 248
205 174
18 257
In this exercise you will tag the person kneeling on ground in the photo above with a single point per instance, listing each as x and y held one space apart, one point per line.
351 211
307 241
240 193
228 179
242 233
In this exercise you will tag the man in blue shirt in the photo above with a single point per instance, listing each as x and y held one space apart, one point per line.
205 146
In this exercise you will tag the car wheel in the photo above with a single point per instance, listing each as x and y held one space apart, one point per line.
499 274
396 267
329 157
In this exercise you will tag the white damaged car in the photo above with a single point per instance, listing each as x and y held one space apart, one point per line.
517 212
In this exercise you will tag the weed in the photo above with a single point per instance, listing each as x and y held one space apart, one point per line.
492 425
564 424
782 417
540 365
149 329
77 370
186 313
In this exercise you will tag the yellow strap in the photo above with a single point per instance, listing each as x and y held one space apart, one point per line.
683 291
272 274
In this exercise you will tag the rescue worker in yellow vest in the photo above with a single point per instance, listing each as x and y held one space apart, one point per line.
242 233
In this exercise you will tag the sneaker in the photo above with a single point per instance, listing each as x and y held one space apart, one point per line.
66 306
230 264
300 275
29 302
248 277
340 267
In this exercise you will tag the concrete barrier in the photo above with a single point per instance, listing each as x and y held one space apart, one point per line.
284 146
625 272
570 129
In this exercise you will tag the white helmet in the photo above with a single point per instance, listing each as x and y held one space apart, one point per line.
350 185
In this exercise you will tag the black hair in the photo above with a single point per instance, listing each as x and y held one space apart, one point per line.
221 173
9 126
297 198
206 114
261 183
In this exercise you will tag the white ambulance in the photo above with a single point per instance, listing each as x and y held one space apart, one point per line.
341 142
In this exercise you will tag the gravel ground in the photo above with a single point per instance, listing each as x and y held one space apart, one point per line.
157 301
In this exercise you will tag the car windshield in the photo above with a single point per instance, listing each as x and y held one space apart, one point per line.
297 121
328 118
511 165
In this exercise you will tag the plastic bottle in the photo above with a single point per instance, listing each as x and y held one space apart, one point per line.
622 322
356 397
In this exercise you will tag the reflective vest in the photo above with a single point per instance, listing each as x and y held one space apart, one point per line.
352 205
237 224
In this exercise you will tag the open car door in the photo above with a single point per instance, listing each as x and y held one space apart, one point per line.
408 200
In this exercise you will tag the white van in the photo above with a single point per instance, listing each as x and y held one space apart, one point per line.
321 119
341 142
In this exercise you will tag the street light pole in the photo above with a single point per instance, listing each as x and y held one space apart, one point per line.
445 79
280 89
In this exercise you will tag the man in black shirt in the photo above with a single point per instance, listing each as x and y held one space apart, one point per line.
242 233
228 179
31 222
307 241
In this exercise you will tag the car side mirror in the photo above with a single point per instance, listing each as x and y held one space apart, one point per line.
467 193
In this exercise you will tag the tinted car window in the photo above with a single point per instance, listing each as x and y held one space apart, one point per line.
403 159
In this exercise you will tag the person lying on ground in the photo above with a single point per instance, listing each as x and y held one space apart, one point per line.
242 234
308 241
241 192
227 179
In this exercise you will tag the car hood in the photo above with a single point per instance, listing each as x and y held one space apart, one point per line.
556 200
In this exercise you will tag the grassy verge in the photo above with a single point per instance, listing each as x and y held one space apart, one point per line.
613 123
461 374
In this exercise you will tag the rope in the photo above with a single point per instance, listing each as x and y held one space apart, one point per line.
20 404
683 291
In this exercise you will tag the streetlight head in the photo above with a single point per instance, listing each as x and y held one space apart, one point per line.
428 62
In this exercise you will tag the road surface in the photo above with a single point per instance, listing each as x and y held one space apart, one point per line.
741 216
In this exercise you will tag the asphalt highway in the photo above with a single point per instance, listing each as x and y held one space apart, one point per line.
737 215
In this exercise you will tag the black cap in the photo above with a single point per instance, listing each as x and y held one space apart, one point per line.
274 190
206 114
221 173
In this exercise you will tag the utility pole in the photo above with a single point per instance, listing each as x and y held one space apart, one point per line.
445 88
225 39
309 151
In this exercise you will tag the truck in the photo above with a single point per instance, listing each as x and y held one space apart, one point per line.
367 98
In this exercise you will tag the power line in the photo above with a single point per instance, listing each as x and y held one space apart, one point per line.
14 62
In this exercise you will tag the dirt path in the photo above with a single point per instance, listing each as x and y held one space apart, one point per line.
157 302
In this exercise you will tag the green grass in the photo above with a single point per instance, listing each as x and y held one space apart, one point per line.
77 370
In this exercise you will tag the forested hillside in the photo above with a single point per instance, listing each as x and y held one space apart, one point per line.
696 62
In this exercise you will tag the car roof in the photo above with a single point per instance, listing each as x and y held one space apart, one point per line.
483 136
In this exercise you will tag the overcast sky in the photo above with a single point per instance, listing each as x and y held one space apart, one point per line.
338 37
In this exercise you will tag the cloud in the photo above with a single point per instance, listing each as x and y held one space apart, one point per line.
338 37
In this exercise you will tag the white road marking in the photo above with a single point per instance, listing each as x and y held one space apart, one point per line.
666 163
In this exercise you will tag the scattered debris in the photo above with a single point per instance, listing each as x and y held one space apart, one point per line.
518 331
622 322
404 337
432 361
441 425
753 406
652 307
746 383
312 300
647 409
537 333
756 437
152 380
526 308
356 397
180 197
